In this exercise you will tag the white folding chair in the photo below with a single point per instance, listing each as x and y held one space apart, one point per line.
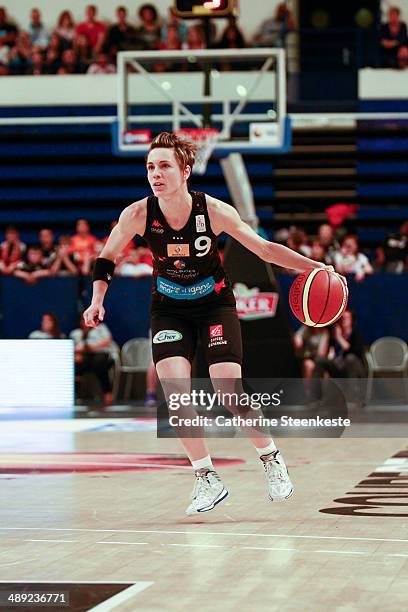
135 357
387 355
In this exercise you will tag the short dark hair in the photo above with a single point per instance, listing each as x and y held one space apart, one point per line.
148 6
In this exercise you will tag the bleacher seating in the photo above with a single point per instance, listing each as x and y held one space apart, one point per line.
52 175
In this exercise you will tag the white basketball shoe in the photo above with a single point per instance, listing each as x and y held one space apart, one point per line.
207 493
277 477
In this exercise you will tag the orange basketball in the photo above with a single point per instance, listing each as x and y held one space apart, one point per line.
318 297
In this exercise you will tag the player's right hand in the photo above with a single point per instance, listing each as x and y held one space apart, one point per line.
94 315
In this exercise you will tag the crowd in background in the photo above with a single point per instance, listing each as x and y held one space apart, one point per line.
75 255
337 247
337 351
69 256
91 45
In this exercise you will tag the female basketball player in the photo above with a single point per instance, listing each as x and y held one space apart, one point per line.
191 295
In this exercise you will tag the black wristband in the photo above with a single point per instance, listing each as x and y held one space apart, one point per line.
103 270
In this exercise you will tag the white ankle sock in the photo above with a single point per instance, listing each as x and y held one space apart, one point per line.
266 450
205 462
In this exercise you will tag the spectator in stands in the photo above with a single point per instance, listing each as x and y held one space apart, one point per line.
53 57
174 21
12 250
122 36
195 38
326 237
84 53
232 37
138 262
94 352
49 328
149 31
8 31
48 247
298 241
402 57
83 246
347 359
311 343
20 54
95 31
38 32
65 29
64 263
32 269
38 65
171 43
273 31
70 64
393 35
4 56
103 65
318 253
392 256
350 261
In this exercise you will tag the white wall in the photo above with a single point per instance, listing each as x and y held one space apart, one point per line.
252 11
382 84
402 4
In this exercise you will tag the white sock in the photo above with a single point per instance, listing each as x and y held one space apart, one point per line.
205 462
266 450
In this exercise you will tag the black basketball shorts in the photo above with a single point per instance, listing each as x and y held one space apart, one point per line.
175 331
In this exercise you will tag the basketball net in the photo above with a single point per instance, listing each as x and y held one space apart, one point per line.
205 140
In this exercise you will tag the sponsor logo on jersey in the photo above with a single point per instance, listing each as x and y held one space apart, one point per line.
189 292
215 330
167 335
200 223
180 264
178 250
157 227
216 336
254 304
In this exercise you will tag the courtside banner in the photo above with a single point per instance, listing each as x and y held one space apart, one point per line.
294 407
36 373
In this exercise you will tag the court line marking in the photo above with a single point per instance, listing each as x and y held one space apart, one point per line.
113 602
205 533
342 552
138 543
198 545
298 550
62 581
272 548
63 541
6 463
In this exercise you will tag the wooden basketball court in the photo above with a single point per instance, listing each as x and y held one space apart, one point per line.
88 510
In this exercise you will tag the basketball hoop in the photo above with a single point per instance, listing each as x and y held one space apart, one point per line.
205 140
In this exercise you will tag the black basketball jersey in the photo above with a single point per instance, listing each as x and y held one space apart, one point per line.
186 263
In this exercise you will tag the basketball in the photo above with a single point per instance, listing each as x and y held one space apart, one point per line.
318 297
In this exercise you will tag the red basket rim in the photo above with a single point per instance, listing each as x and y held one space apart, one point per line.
198 133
